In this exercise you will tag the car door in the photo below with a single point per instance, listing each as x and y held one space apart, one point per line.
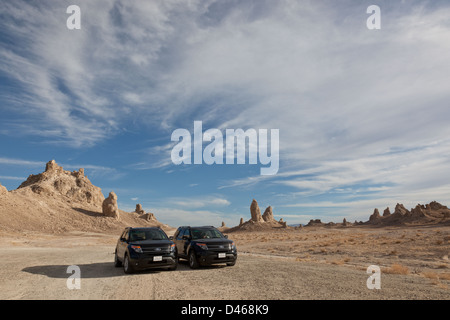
179 241
122 244
186 240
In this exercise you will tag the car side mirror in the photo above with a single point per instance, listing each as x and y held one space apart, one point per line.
226 236
171 238
185 237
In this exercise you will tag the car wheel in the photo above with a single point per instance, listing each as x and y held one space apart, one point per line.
230 264
193 263
127 267
117 262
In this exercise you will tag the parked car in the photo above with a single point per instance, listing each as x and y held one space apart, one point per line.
204 246
145 248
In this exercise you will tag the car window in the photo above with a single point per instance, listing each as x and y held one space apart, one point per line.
179 233
152 234
186 232
206 234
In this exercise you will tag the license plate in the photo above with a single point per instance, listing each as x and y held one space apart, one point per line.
157 258
222 255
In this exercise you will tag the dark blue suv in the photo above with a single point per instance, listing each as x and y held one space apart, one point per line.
144 248
204 246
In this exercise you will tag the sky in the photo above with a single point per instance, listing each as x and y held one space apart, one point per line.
363 114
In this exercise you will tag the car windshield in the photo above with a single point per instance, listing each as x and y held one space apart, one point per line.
205 234
152 234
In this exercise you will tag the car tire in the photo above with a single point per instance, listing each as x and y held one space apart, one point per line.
193 263
230 264
117 262
127 267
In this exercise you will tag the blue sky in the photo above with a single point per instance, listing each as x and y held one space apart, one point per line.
362 114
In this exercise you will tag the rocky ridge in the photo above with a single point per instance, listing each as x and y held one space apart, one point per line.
431 213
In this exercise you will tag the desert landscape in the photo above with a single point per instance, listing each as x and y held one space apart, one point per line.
58 218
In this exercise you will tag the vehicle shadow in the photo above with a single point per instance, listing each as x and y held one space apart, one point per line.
91 270
102 270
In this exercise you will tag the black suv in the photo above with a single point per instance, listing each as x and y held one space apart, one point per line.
204 246
144 248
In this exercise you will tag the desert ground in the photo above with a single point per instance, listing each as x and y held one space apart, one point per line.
58 218
307 263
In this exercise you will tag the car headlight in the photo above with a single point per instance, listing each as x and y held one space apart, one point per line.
137 249
172 247
232 246
202 245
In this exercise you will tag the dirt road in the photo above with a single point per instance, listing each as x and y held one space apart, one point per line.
37 269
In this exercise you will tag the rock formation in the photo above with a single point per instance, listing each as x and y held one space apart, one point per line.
55 181
148 216
52 166
418 212
401 211
3 189
141 212
255 212
386 212
259 222
139 209
268 214
435 206
375 217
110 207
314 222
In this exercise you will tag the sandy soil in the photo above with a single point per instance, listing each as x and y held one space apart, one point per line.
321 263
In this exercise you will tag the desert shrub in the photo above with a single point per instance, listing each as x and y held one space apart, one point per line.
397 269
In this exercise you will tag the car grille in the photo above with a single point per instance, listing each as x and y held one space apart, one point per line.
156 250
219 247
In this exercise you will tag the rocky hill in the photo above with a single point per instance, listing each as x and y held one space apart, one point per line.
57 183
57 201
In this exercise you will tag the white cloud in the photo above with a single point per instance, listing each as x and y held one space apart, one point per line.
335 88
12 178
199 202
177 217
354 107
21 162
